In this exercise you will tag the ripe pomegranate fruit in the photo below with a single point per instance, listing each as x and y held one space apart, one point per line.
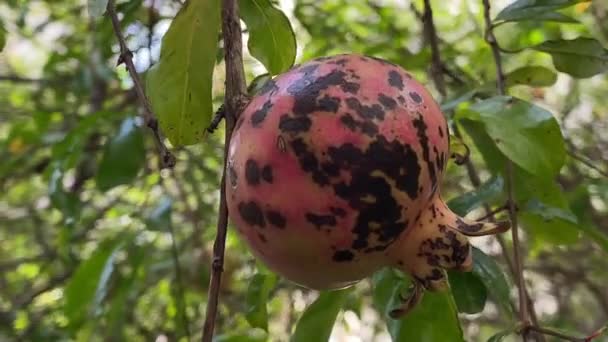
334 171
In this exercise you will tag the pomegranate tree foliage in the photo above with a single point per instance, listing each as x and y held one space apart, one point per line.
98 244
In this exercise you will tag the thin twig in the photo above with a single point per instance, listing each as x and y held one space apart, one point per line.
234 99
587 163
501 87
551 332
167 159
430 35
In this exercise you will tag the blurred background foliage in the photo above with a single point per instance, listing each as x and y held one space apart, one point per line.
98 243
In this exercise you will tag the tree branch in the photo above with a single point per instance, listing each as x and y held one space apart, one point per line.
500 85
234 99
167 159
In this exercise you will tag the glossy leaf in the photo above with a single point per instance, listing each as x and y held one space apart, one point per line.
469 291
492 276
89 282
256 335
580 57
97 7
527 134
426 322
536 10
257 299
536 76
179 86
271 38
317 321
485 193
124 155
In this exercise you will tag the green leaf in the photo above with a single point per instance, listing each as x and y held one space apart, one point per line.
434 319
527 134
2 36
469 291
124 155
160 217
579 202
492 276
485 193
317 321
257 298
88 284
537 10
179 86
271 38
536 76
498 337
97 7
579 57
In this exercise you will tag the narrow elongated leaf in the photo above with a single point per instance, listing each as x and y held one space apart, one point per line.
434 319
97 7
89 281
124 156
2 36
317 321
492 276
486 193
469 291
580 57
179 86
527 134
536 10
271 38
536 76
257 298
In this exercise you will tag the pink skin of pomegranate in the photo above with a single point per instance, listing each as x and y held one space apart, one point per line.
333 173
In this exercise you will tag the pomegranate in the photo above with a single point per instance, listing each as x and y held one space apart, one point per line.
334 171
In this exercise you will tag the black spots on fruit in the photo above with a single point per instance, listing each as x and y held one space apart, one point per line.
276 219
349 121
252 214
297 124
252 172
468 228
309 68
307 90
421 128
439 159
374 111
367 127
379 222
338 211
329 104
259 115
440 131
387 101
321 220
395 79
401 99
416 97
267 173
343 256
309 162
350 87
